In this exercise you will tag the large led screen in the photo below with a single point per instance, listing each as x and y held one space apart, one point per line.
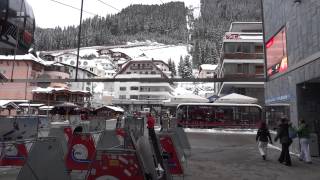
276 49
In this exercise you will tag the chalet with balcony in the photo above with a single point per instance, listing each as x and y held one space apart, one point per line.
208 71
135 96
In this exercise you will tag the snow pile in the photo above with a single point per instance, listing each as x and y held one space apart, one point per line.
202 89
221 131
182 91
99 88
87 52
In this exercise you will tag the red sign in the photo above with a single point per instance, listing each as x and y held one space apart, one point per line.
68 133
80 152
232 36
13 155
173 161
115 166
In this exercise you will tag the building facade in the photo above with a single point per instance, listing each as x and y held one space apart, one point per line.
24 67
82 74
292 45
137 95
242 57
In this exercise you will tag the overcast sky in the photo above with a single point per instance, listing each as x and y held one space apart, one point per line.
50 14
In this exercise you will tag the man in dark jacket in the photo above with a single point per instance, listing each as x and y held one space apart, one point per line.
285 140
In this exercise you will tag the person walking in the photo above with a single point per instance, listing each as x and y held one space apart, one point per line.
285 140
304 140
263 137
150 122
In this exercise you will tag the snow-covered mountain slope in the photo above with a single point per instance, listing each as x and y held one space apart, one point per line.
156 51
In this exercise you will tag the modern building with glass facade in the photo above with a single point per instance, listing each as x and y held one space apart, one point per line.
292 46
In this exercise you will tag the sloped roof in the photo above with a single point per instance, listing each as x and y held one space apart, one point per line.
8 103
237 98
208 67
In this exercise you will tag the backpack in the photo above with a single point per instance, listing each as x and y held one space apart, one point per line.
292 133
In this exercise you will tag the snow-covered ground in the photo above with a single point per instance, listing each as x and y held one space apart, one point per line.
202 89
156 51
221 131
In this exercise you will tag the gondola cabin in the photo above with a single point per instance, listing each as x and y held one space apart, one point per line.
17 26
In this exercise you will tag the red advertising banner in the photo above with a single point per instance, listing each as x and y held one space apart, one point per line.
80 152
13 155
173 160
115 166
276 53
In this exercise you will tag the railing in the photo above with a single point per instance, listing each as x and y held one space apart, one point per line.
141 67
241 55
243 75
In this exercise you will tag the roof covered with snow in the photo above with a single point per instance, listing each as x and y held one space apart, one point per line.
208 67
7 103
26 57
236 98
50 90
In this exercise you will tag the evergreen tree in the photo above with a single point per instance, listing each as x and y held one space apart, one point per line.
180 66
172 67
174 70
196 54
165 23
187 68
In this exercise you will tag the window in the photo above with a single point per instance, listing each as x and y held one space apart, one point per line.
243 68
134 88
123 88
153 72
91 69
259 69
88 89
128 72
146 72
258 49
134 97
122 97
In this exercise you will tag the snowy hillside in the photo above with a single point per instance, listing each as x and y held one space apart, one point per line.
156 51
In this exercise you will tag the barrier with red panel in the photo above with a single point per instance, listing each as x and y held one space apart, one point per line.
116 164
81 152
174 163
13 154
68 133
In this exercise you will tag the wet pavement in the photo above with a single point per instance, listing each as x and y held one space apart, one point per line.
236 157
